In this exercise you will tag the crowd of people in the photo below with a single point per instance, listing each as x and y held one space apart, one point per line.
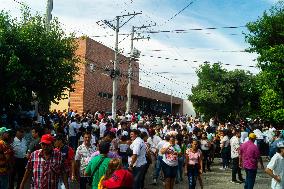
60 149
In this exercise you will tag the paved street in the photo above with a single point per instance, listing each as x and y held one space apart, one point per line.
217 179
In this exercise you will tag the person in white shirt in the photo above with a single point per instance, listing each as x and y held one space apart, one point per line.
20 150
244 135
205 148
158 166
73 129
271 128
170 161
235 145
137 162
275 168
83 152
153 140
102 128
225 150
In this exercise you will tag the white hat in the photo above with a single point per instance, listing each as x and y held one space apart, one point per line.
280 144
124 133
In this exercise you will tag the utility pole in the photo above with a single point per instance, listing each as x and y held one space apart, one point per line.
115 79
49 8
171 101
115 64
132 56
128 102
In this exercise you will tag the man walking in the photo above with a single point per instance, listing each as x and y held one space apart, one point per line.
35 142
98 166
83 152
235 146
249 156
20 148
137 162
275 168
46 166
67 156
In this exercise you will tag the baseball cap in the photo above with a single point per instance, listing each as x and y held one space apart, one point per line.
252 136
47 139
280 144
4 130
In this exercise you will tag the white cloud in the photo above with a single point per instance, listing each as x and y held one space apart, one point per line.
81 16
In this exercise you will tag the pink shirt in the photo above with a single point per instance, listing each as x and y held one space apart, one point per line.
250 154
193 156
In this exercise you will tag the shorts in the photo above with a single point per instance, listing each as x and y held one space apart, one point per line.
169 171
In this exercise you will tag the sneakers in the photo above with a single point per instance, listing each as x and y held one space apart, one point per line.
222 168
235 182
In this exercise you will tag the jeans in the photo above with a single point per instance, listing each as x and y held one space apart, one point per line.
192 174
250 178
19 171
4 181
206 161
73 142
144 175
158 167
138 173
236 169
225 156
180 168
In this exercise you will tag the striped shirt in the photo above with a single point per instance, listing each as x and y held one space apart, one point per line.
46 172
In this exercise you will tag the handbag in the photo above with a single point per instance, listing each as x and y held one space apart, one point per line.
90 179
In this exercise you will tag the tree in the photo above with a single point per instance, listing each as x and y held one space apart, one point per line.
34 59
221 93
266 38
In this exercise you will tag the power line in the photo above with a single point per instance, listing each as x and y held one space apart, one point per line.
193 29
186 60
176 14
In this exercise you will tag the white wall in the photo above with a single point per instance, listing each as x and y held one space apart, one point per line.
188 108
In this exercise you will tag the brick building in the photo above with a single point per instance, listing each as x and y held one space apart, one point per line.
93 89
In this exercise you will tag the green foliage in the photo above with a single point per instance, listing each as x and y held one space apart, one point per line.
266 37
34 59
222 93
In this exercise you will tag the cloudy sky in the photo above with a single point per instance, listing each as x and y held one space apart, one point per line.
169 58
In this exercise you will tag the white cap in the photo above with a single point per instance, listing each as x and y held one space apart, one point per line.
125 133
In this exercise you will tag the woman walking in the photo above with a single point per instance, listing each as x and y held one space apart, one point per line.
193 164
169 162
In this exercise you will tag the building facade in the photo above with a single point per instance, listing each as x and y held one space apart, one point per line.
93 89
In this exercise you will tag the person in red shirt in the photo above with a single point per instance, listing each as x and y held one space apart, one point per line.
46 166
68 155
116 177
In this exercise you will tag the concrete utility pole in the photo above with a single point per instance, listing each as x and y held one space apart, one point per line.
128 102
171 101
115 80
116 53
49 8
133 55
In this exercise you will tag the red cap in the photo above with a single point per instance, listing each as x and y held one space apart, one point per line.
120 178
47 139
